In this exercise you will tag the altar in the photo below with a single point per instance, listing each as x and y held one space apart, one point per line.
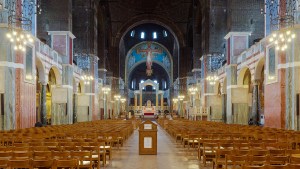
149 109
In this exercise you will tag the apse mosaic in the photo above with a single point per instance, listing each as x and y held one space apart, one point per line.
148 52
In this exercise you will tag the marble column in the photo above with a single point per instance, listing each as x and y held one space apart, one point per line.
43 104
104 106
141 101
156 105
224 97
75 107
162 102
255 104
231 74
135 102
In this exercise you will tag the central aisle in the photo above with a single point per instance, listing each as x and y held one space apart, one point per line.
170 155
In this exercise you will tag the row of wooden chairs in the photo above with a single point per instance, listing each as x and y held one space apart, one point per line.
49 163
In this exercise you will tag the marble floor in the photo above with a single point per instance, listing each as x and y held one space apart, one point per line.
170 155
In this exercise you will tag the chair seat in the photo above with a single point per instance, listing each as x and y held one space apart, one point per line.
105 147
84 162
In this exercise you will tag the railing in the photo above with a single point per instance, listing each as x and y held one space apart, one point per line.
256 48
45 50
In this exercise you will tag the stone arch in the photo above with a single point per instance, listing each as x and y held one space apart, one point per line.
260 65
58 76
241 75
150 18
149 82
41 71
128 73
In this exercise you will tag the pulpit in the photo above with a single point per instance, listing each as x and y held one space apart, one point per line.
148 138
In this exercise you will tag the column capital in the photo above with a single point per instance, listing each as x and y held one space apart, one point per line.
256 82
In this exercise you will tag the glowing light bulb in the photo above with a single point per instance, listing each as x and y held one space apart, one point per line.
289 40
14 33
271 39
28 36
281 35
288 32
15 48
11 40
8 35
22 36
274 35
18 39
30 40
23 49
277 47
293 36
276 42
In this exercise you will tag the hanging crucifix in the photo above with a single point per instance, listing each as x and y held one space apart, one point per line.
149 55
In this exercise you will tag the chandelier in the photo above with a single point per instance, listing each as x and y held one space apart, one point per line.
281 16
181 97
193 90
87 79
20 15
282 39
214 62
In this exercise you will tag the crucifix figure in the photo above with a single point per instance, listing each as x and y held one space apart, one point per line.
149 54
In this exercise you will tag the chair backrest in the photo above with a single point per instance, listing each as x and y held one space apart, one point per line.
21 154
65 163
5 154
61 154
41 154
84 157
20 163
254 167
294 159
42 163
4 162
235 160
277 167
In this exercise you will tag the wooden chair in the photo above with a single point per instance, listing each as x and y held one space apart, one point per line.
21 155
65 163
41 155
235 160
42 163
220 159
193 140
295 159
4 162
278 160
105 146
254 167
61 154
20 163
294 166
209 152
84 158
96 155
277 167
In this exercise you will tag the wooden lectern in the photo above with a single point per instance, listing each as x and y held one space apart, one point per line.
148 138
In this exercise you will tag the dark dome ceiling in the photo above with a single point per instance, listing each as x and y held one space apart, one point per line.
148 28
149 5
